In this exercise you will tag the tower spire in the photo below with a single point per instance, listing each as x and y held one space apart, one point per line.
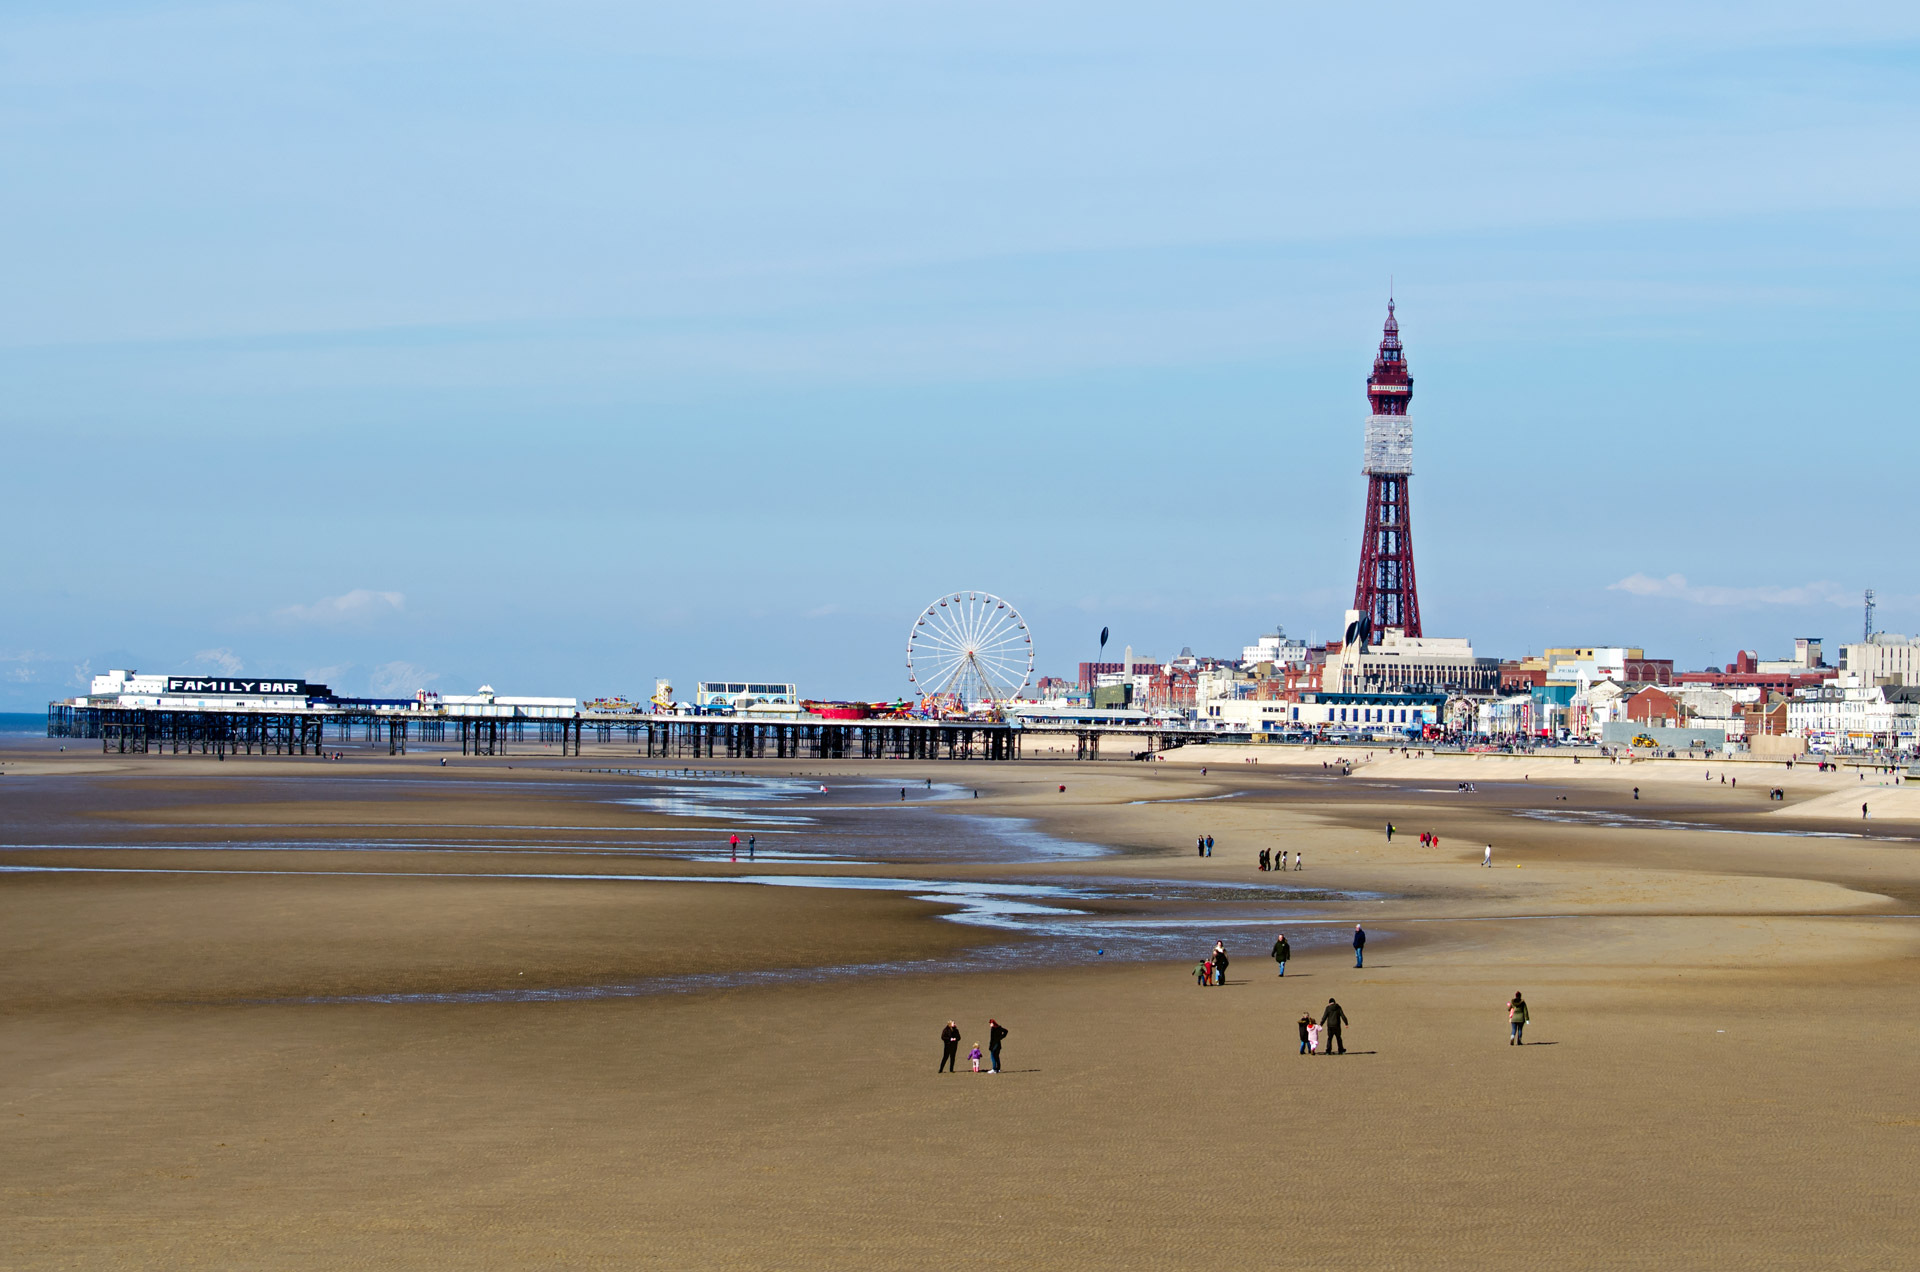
1385 593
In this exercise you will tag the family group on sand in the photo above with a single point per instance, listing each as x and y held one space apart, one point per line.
1329 1024
1212 970
950 1048
1276 859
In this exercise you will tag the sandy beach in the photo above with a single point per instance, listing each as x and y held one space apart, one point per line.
295 1013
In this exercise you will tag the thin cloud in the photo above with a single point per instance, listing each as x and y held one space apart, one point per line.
220 659
23 672
396 678
1675 587
360 603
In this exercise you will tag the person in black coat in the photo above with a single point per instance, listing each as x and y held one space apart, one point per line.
949 1048
996 1034
1359 946
1331 1019
1282 952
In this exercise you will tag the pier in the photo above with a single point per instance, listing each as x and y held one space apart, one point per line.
156 730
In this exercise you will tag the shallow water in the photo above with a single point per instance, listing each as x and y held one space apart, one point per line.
1629 821
853 822
1052 921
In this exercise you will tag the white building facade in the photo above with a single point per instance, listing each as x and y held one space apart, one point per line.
1849 715
1278 649
1397 660
1884 657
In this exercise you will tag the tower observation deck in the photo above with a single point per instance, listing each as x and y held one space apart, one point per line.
1385 594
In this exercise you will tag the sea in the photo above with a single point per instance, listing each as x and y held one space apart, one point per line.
13 723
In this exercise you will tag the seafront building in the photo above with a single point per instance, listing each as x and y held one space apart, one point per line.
1617 662
129 688
1746 671
291 695
1278 650
1883 658
1397 661
1853 715
771 698
1408 714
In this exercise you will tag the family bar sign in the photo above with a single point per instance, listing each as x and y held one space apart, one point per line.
189 684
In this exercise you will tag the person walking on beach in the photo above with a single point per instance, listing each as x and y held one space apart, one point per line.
1359 946
733 847
1309 1036
1200 844
1389 832
1203 973
1264 857
1516 1019
1282 952
1209 845
974 1056
1220 962
749 847
949 1048
1486 858
996 1034
1299 858
1863 812
1331 1020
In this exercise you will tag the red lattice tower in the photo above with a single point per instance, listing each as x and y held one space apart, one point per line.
1385 592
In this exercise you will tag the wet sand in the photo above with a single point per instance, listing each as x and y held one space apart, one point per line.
233 1031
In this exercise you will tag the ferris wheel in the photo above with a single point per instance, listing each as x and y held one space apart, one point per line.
970 648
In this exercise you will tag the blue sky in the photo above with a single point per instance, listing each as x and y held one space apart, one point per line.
561 347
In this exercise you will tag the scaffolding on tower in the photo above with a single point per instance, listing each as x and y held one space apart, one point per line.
1385 593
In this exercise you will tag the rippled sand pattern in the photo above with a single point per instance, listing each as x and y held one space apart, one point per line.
383 1014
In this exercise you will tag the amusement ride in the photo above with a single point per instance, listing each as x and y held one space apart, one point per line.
969 653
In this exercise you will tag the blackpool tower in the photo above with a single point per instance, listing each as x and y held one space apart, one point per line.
1385 595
